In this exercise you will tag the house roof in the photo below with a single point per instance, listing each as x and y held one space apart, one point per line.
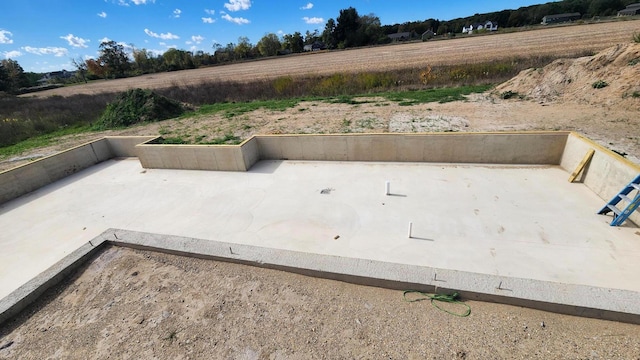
400 35
555 16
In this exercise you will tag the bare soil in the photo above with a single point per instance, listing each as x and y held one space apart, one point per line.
135 304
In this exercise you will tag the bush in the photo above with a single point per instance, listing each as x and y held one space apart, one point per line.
599 84
137 105
636 37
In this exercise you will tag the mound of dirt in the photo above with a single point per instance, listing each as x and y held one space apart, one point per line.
609 78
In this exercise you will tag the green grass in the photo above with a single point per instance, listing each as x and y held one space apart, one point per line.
232 109
433 95
40 141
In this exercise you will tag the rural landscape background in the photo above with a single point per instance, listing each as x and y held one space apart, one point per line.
580 76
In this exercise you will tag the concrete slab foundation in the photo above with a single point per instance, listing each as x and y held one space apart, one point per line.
513 233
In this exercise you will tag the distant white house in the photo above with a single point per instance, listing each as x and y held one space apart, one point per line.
488 26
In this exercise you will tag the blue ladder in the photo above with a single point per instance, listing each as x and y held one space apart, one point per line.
621 215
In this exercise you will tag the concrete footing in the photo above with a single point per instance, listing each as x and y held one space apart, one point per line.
604 175
578 300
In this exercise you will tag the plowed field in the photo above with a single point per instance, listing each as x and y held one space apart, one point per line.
561 41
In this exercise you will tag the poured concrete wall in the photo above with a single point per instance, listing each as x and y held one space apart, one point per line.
607 172
250 152
29 177
192 157
491 148
125 146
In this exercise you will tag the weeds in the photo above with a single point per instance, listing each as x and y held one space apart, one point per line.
599 84
135 106
636 37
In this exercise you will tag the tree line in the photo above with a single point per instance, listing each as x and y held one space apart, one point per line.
349 29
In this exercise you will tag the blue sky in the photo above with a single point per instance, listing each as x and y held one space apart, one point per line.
44 35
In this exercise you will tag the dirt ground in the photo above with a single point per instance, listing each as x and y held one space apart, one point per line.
135 304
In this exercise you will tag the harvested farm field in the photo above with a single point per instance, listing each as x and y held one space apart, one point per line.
560 41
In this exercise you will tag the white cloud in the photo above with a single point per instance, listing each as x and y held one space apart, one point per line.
104 39
50 50
136 2
280 32
197 39
12 54
237 5
75 41
313 20
162 43
210 12
208 20
176 13
236 20
309 6
102 14
167 36
5 37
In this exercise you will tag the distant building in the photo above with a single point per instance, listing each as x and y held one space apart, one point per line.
630 10
56 75
560 18
428 35
404 36
316 46
488 26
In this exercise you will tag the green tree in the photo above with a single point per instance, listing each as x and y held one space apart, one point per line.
346 30
4 78
293 42
143 61
604 7
311 37
175 59
114 58
14 76
369 30
269 45
81 67
329 34
243 49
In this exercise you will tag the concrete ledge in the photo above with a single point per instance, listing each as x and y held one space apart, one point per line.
28 293
578 300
